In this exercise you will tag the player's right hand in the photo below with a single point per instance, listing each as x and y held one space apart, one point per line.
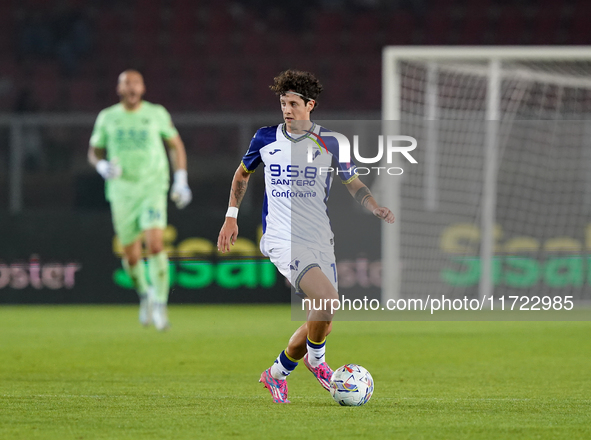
228 234
384 213
108 169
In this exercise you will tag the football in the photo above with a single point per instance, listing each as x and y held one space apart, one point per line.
351 385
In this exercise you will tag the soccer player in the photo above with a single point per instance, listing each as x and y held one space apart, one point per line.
297 236
126 149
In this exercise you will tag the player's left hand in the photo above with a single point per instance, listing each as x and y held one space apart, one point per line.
384 213
181 193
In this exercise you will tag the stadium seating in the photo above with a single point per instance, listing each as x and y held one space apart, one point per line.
511 27
400 29
547 26
83 95
438 24
198 56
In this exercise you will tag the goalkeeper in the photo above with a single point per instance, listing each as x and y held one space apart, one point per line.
126 149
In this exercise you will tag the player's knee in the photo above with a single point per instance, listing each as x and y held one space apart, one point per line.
155 248
132 259
333 294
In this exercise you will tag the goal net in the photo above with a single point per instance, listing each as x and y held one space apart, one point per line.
500 200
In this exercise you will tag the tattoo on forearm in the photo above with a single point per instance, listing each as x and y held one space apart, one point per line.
363 195
238 192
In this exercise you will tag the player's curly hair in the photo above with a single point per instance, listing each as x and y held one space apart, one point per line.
298 81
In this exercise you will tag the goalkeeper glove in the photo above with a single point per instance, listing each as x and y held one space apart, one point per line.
181 193
108 169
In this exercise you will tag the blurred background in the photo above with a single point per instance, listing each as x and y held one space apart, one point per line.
210 64
220 56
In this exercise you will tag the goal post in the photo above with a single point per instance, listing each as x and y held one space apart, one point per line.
430 91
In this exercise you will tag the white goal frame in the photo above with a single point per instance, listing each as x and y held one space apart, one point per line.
391 111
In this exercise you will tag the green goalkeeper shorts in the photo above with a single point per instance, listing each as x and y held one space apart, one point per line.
131 216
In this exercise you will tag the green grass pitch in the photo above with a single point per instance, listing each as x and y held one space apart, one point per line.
94 373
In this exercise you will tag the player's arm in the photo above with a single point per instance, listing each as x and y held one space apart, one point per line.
97 151
95 155
177 152
229 231
181 193
363 196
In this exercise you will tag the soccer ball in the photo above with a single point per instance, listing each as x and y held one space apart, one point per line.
351 385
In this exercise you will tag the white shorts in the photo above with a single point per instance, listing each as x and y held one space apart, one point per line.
294 262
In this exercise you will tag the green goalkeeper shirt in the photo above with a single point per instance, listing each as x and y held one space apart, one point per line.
133 139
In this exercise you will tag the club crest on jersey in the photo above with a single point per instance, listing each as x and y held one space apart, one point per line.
294 264
319 143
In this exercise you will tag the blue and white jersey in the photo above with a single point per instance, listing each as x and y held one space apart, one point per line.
297 185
